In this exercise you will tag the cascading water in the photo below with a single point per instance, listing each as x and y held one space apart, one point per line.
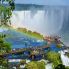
46 21
65 59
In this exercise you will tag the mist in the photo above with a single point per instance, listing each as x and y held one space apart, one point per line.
47 20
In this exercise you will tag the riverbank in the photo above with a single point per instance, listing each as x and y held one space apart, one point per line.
30 33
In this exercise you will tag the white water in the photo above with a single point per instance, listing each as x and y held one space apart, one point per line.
48 66
65 59
47 21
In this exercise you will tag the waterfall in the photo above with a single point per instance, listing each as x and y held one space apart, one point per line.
65 59
46 21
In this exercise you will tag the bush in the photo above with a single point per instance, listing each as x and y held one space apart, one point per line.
54 57
41 65
35 65
31 65
59 46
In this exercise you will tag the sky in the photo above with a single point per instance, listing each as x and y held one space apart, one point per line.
44 2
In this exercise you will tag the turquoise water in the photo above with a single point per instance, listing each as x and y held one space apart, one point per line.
18 40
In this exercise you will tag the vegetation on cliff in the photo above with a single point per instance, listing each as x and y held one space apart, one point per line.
54 57
6 8
4 48
30 33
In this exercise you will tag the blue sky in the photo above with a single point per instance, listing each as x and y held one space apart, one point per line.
44 2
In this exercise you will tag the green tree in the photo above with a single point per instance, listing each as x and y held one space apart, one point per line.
6 8
4 48
54 57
